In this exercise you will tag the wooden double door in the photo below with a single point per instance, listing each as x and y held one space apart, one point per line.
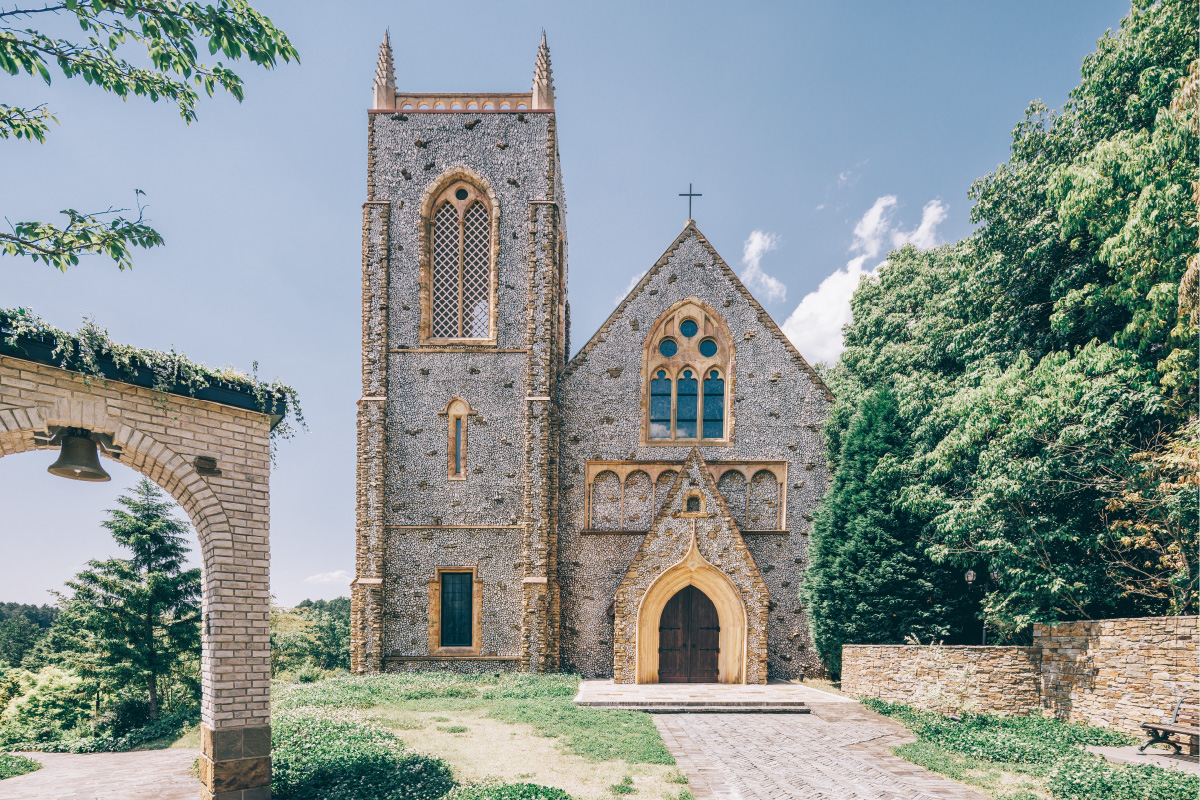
689 639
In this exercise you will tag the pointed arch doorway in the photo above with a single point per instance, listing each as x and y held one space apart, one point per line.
689 639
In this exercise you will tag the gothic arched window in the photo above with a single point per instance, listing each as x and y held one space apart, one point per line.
459 280
688 362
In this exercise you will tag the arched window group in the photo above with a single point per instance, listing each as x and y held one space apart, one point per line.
689 358
460 264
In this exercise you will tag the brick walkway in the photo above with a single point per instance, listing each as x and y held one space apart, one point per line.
838 752
143 775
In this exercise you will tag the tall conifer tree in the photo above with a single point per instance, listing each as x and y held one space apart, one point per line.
142 612
869 580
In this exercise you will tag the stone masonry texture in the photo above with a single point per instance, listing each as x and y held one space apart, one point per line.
1119 673
1007 679
1115 673
160 436
518 517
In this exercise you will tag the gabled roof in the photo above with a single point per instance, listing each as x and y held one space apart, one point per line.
763 317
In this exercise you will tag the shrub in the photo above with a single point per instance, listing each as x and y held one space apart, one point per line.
508 791
1087 776
11 766
128 712
308 673
328 754
168 726
56 703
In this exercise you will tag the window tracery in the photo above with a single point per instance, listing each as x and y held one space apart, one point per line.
688 362
458 272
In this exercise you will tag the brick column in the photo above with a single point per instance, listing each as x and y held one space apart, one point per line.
366 594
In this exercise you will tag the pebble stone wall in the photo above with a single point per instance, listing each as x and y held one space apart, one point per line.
1007 679
1119 673
666 544
778 406
160 436
411 517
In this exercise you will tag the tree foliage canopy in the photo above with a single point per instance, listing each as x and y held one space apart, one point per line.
97 36
1044 369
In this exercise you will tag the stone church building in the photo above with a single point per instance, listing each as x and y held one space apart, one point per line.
638 510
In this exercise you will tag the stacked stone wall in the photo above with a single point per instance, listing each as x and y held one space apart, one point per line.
1114 673
1004 680
1119 673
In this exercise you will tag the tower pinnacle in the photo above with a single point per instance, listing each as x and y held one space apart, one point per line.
385 75
543 79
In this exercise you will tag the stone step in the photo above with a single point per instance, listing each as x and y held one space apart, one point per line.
702 706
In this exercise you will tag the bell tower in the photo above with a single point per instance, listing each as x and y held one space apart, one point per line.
464 332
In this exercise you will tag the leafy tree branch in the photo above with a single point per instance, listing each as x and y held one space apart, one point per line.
166 33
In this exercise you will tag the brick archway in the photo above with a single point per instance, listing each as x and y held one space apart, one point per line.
214 460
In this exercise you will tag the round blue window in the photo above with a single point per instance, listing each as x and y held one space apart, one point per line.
668 347
688 328
708 348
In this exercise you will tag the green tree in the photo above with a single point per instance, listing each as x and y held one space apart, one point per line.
17 637
170 35
142 613
1045 367
869 580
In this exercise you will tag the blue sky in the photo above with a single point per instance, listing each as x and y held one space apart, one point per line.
820 134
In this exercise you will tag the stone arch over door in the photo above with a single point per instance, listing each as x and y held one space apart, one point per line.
214 460
694 570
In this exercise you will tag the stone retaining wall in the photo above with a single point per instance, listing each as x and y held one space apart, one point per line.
1004 680
1118 673
1115 673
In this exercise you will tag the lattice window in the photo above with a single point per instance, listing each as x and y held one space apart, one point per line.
460 249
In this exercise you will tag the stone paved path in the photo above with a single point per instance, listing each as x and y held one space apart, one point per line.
143 775
838 752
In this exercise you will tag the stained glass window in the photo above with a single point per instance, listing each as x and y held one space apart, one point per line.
685 406
688 328
660 406
714 406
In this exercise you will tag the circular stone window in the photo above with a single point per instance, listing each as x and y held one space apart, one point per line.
668 347
461 194
689 328
708 348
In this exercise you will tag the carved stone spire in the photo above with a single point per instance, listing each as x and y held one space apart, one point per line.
385 75
543 79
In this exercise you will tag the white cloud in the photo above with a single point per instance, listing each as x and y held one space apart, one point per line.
815 327
337 576
924 236
820 207
629 288
758 244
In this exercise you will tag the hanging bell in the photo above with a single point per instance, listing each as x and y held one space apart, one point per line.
78 458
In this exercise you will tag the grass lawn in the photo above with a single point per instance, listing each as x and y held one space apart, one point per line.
514 728
1030 758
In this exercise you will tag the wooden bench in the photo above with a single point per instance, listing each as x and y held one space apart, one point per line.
1185 721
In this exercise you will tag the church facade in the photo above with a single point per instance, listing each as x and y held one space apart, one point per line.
638 511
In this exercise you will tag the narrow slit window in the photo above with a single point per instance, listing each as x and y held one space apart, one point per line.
458 445
685 406
714 406
660 406
456 609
